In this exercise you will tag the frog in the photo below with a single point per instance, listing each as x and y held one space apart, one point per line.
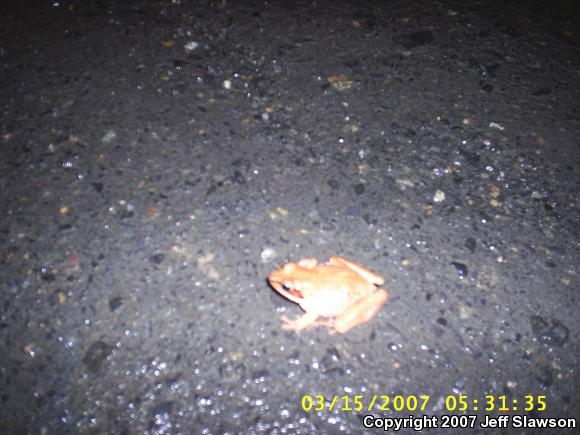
339 294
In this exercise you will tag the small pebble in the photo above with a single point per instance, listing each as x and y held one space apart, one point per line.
109 136
268 254
439 196
29 349
167 42
464 312
340 82
190 46
537 195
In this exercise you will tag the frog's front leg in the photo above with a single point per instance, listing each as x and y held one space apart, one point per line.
361 270
363 310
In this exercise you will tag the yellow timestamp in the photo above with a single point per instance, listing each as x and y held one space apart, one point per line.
412 403
496 403
360 403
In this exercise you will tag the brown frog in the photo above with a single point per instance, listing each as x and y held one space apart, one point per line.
339 294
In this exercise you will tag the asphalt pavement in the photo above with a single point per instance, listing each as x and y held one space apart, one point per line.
159 159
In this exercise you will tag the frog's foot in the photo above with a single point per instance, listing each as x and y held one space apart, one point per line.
329 323
303 322
299 324
308 263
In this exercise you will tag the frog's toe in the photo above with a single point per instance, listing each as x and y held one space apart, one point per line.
288 324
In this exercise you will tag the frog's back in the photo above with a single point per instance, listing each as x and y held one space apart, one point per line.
340 278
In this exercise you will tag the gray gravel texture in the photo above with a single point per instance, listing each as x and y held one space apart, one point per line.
147 192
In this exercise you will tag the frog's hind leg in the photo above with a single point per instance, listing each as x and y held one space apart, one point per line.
361 270
361 311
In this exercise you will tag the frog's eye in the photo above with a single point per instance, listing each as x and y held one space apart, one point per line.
286 286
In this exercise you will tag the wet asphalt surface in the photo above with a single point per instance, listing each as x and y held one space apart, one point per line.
148 190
